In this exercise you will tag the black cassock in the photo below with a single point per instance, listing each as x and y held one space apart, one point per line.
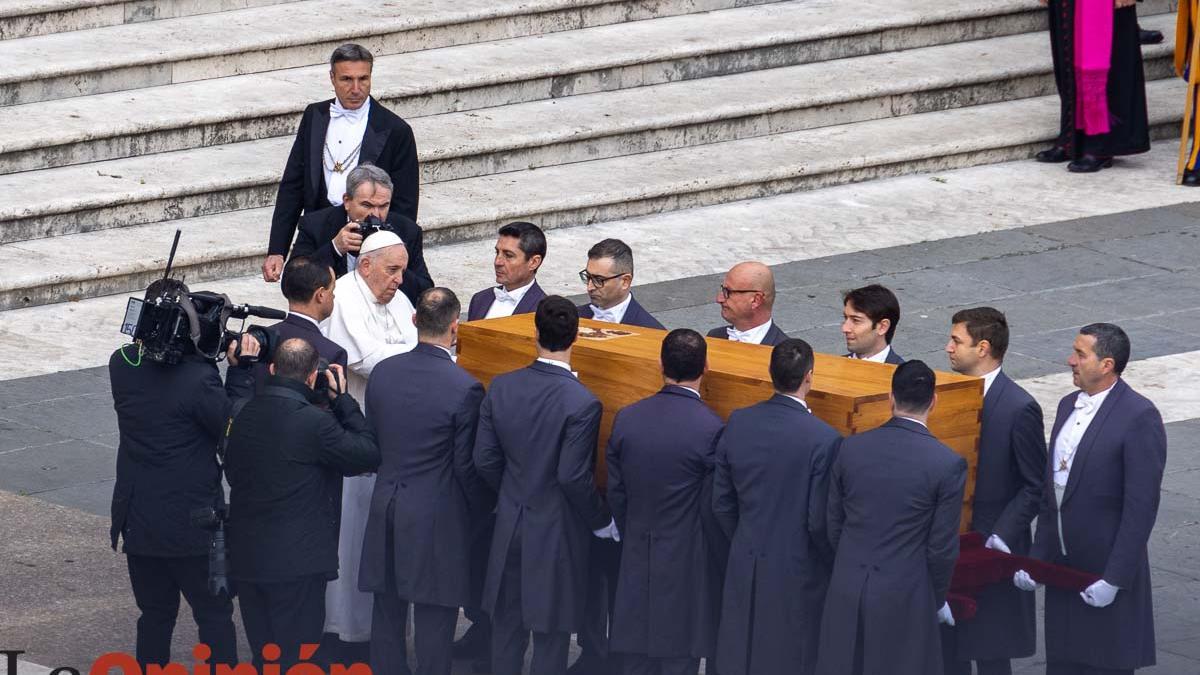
1130 127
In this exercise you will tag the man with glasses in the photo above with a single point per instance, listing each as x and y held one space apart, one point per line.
608 279
746 296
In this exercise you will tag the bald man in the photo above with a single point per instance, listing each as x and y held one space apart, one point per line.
746 296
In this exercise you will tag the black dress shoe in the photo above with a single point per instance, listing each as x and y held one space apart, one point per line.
1191 177
473 643
1089 164
1053 155
1149 37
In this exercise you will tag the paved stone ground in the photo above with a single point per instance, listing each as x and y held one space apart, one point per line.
64 596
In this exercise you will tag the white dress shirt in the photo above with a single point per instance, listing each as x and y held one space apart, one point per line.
343 143
881 357
913 419
988 379
565 366
799 400
753 336
1072 432
506 301
613 314
306 317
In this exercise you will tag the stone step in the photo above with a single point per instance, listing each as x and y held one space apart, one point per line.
249 107
27 18
85 265
134 56
538 134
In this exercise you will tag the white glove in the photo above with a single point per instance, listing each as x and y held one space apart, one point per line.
1100 594
996 543
944 615
608 531
1023 581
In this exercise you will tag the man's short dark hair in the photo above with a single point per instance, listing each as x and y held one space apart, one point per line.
302 276
557 323
791 360
878 303
1111 343
985 323
530 238
616 250
351 52
437 308
913 385
684 353
295 359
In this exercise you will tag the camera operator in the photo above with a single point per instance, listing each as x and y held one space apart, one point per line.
171 417
285 459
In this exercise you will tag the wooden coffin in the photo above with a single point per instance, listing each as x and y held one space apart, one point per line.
620 365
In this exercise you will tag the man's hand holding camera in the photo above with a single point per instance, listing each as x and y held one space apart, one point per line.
336 378
247 347
349 239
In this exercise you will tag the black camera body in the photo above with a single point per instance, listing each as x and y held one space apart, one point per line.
372 224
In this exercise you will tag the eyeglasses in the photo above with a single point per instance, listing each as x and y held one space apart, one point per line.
727 291
595 279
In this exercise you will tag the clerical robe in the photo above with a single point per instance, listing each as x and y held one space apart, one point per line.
1098 71
370 332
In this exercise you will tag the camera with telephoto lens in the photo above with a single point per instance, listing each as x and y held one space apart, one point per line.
171 321
212 518
372 224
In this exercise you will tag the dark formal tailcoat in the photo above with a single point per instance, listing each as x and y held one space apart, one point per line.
1008 494
773 337
387 143
536 443
482 301
660 455
895 503
170 419
318 229
285 461
635 315
892 357
1108 511
298 327
770 494
427 483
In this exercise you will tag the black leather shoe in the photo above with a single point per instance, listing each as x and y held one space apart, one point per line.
1191 177
1052 155
1149 37
473 643
1089 164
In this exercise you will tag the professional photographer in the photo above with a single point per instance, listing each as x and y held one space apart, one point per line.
171 412
333 236
285 459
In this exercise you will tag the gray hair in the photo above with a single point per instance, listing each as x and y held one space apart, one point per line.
351 52
367 173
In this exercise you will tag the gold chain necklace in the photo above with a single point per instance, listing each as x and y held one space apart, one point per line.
339 166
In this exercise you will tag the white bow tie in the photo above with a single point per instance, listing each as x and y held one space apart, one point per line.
604 314
739 336
503 296
336 110
1085 403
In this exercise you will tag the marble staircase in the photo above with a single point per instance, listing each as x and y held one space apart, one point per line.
559 111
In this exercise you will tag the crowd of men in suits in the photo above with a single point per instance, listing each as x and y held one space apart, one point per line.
764 544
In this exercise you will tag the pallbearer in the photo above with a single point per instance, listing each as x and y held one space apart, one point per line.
769 495
1008 489
660 455
895 502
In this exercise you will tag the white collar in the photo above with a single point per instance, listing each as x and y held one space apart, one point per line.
912 419
292 312
561 364
751 335
617 311
799 400
881 357
354 117
1096 399
988 379
366 291
517 293
697 393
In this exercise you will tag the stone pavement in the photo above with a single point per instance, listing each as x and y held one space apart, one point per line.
65 597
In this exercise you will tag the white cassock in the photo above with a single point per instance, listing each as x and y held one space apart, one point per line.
369 332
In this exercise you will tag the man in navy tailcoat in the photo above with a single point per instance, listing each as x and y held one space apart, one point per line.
1107 453
417 545
770 495
308 286
520 250
536 444
660 454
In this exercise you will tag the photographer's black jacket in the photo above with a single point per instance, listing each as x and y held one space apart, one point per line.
170 419
318 229
284 461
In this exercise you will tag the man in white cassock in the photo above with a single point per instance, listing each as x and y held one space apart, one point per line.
372 321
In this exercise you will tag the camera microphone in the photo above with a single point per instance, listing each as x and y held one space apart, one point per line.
243 311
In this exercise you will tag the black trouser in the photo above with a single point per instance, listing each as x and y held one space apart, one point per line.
640 664
603 568
509 635
481 548
1079 669
988 667
389 615
157 584
286 613
433 636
